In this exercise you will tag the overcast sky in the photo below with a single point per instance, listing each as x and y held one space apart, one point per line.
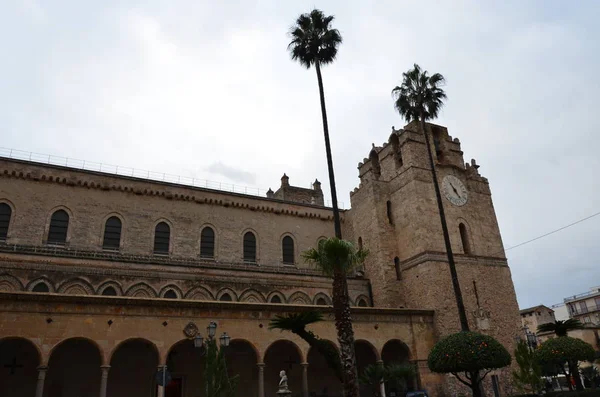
206 89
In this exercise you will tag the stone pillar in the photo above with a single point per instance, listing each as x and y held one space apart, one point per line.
382 384
104 379
304 379
161 389
261 379
39 390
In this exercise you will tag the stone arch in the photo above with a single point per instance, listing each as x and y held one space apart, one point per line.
76 339
362 298
366 354
221 295
320 297
35 346
19 360
40 280
278 296
252 295
141 290
110 283
283 354
199 293
395 351
323 378
171 287
49 218
129 340
299 298
11 220
103 228
374 158
133 364
10 283
76 286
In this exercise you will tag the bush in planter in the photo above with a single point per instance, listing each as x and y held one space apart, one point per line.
464 354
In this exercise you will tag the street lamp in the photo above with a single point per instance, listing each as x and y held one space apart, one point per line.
211 331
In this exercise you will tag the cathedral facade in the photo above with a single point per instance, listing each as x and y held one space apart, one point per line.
106 280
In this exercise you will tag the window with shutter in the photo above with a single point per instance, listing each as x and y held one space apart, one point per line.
112 234
59 225
162 236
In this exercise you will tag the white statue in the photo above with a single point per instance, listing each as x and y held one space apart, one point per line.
283 385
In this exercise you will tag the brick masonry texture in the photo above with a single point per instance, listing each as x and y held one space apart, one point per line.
393 213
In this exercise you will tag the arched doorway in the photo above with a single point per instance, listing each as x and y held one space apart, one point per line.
322 381
187 365
133 366
241 360
19 360
283 355
365 355
396 352
74 369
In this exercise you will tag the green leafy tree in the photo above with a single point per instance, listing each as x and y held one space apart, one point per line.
374 375
420 97
315 43
297 323
333 257
217 382
464 354
528 376
560 327
564 353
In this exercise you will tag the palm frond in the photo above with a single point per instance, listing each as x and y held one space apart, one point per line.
334 255
295 322
561 327
313 39
419 95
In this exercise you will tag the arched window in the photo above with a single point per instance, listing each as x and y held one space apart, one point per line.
109 291
112 234
397 266
321 302
225 297
375 163
5 214
249 247
389 212
170 294
41 287
59 224
362 303
162 236
464 237
207 243
287 246
275 299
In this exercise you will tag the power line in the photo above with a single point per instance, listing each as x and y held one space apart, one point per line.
554 231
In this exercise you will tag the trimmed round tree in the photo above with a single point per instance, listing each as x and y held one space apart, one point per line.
559 354
464 354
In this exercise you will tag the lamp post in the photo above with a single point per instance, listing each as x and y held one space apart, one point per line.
203 344
531 338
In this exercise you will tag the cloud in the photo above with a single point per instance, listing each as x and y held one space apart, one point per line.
232 173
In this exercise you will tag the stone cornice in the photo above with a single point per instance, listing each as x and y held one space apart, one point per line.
41 172
93 304
433 256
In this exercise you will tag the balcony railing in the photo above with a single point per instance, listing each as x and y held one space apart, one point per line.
582 295
578 311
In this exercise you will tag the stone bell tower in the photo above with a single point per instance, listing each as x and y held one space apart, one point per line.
395 216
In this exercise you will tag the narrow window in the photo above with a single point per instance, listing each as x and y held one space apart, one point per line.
112 234
375 163
287 246
362 303
5 213
207 243
162 236
465 239
59 224
41 287
109 291
275 299
360 244
389 212
225 297
397 266
321 302
170 294
249 247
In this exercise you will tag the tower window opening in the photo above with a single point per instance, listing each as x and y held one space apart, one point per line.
397 267
389 212
464 237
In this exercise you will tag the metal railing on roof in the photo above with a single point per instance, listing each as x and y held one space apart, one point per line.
133 172
582 295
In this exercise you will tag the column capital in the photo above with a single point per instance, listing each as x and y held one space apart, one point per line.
42 368
260 365
379 362
304 365
105 367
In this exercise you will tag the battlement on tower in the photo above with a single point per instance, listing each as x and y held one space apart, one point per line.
297 194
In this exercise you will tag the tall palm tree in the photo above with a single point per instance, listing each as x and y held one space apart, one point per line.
560 327
335 258
421 98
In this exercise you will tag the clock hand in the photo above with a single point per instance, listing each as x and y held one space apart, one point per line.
455 191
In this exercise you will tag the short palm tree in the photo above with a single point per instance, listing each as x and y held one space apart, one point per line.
421 98
336 258
560 327
297 323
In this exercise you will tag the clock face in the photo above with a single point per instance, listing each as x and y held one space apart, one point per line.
454 190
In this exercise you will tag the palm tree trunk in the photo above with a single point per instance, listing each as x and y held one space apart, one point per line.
464 324
333 361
